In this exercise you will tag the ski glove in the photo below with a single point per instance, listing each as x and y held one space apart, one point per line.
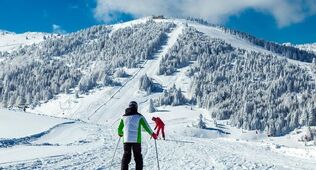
154 136
120 135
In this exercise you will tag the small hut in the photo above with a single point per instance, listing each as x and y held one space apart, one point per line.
158 17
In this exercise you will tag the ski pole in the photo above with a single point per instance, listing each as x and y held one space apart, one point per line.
157 155
115 152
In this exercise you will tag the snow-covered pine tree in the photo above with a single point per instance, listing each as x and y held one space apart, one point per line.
309 136
201 124
59 64
172 96
146 84
76 95
151 107
252 89
120 73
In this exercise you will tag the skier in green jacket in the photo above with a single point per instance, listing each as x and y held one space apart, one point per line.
130 128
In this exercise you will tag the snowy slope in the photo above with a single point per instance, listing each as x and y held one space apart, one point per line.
16 124
118 101
115 27
26 136
11 41
308 47
90 144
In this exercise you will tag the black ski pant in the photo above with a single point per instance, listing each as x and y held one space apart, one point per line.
137 152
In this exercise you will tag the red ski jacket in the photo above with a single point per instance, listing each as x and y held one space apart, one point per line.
159 123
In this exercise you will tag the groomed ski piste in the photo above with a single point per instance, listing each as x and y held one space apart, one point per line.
81 133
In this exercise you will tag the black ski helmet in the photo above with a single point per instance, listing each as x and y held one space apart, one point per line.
133 104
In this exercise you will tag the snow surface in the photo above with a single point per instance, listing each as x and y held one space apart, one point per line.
115 27
307 47
10 41
90 146
310 47
90 143
16 124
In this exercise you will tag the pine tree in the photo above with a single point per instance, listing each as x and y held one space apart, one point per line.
151 107
76 94
309 135
201 124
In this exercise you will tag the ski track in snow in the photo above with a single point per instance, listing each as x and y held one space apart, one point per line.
28 139
177 152
208 154
113 108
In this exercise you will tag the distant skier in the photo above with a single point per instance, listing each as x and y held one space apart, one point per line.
160 125
130 129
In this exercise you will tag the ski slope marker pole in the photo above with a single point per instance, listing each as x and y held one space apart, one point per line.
157 155
118 141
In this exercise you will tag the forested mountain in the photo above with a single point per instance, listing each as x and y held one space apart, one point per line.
273 91
284 50
298 52
84 59
254 90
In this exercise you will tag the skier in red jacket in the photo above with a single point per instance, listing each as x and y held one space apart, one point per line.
160 125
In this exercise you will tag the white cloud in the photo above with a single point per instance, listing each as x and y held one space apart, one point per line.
286 12
57 29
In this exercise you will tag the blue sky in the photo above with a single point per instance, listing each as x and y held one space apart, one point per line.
295 23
